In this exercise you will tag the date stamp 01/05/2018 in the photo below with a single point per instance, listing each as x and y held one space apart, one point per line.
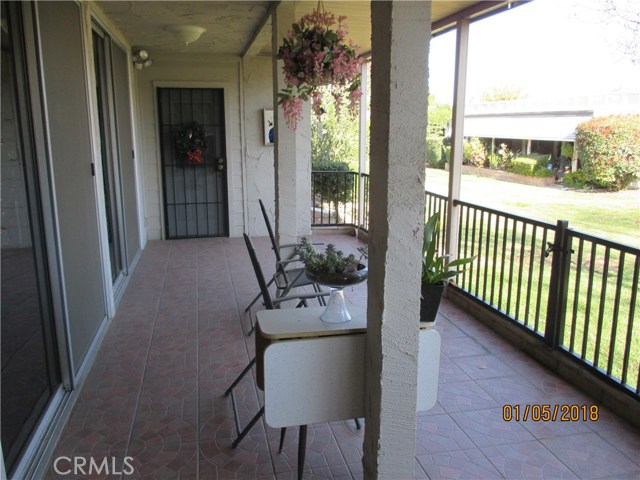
550 413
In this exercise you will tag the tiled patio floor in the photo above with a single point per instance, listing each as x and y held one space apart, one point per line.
155 391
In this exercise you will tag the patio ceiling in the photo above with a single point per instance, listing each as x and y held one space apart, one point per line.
233 26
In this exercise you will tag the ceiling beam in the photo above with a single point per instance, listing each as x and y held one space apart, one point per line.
474 12
260 36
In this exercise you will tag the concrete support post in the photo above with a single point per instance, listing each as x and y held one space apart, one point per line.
292 148
457 135
398 148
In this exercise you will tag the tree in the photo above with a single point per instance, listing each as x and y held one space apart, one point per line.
439 115
334 148
503 93
335 134
626 15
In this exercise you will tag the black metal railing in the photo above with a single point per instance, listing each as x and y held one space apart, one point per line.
334 198
576 292
364 223
600 319
511 273
435 203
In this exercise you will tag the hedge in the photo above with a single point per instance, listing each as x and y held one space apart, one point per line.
609 150
435 157
534 165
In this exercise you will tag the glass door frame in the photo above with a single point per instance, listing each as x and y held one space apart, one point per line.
32 115
109 168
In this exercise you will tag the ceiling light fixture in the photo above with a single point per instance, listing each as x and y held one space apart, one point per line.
186 33
141 59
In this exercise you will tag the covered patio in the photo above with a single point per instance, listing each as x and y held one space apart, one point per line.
155 392
145 328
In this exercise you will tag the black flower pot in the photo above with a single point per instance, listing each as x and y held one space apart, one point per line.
339 280
430 301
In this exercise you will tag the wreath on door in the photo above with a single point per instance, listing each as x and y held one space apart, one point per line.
191 144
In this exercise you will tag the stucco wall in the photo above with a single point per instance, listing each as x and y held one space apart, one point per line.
247 83
259 160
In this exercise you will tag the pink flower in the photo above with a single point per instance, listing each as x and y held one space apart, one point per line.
314 54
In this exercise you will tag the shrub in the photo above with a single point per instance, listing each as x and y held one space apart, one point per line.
334 188
495 161
566 150
435 157
505 155
523 166
446 155
609 150
576 179
474 153
531 165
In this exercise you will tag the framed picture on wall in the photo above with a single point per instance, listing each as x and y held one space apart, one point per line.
268 126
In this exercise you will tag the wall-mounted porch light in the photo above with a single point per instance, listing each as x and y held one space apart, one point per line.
186 33
141 59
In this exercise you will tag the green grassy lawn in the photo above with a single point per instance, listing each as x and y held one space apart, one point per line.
611 215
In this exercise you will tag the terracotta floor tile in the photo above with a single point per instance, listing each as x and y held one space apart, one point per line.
108 400
527 460
513 390
618 433
483 366
462 347
439 433
590 456
458 464
461 396
250 458
450 371
170 461
155 392
96 435
446 328
488 427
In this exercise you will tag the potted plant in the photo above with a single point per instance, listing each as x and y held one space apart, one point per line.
333 270
330 268
315 53
436 272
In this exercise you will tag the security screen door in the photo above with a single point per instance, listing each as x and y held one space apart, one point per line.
193 152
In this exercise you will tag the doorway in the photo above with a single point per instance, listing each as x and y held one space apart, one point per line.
30 361
194 162
102 48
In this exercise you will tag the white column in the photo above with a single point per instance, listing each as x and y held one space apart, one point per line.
292 148
362 141
398 147
457 138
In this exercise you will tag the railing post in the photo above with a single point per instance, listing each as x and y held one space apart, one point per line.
558 285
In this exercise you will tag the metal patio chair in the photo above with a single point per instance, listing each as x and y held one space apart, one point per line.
270 303
286 277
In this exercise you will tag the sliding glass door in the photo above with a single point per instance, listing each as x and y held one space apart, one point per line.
30 365
110 158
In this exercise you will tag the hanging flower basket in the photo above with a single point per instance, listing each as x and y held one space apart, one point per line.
315 54
191 144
